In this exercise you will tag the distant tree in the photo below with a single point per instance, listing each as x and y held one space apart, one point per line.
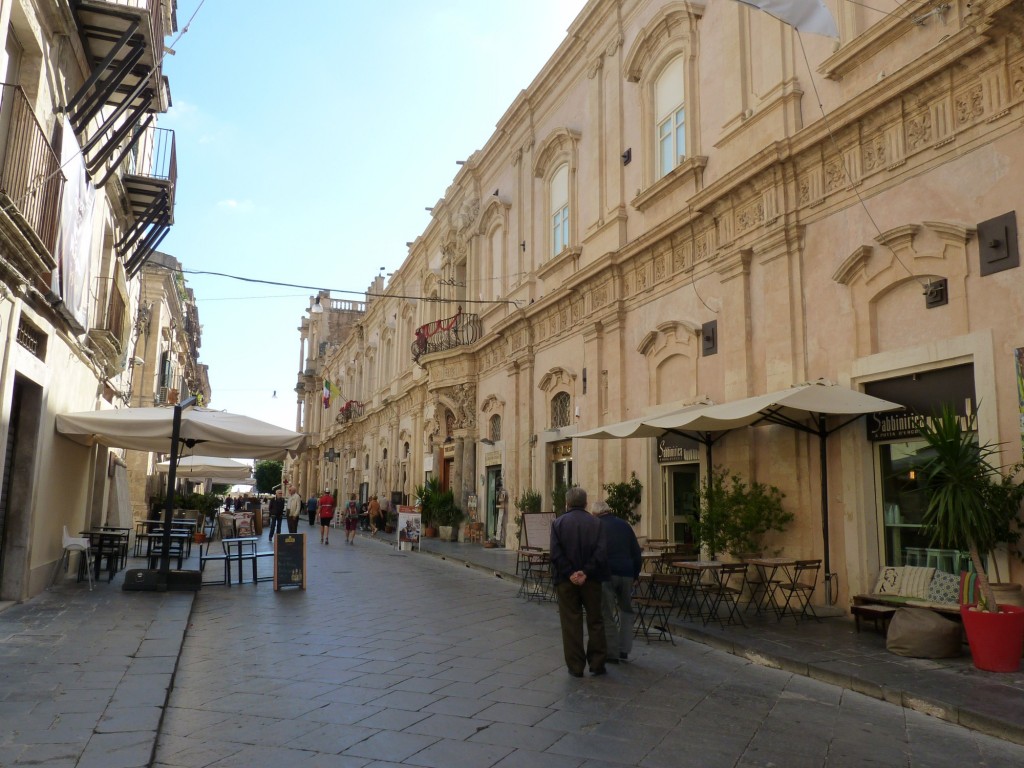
268 475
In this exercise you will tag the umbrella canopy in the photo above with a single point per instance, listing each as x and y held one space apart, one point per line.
791 407
805 407
641 427
203 431
214 467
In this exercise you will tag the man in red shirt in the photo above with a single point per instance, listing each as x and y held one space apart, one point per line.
325 508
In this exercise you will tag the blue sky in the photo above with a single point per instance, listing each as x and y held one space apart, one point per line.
310 138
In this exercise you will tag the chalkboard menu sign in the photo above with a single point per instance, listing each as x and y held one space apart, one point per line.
290 560
537 529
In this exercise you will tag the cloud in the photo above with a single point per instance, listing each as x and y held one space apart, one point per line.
230 204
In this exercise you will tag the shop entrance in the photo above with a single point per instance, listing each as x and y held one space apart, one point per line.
682 482
491 520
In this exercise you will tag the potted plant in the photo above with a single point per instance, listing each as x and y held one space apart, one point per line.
624 498
447 515
528 503
734 516
969 505
426 496
558 498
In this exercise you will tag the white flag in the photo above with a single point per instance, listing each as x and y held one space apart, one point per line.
802 15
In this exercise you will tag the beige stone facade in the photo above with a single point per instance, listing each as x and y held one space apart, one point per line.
86 195
665 214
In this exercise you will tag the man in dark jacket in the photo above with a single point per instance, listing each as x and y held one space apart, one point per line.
624 563
276 510
579 563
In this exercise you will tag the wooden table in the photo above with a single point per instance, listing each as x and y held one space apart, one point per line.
879 614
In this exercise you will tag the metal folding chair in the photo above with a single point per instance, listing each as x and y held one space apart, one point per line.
654 611
726 591
795 594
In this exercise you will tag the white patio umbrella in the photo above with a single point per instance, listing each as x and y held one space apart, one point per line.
215 468
203 431
805 407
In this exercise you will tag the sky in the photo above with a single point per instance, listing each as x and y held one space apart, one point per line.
310 138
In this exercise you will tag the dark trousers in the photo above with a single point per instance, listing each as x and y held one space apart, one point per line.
312 516
573 601
293 525
275 525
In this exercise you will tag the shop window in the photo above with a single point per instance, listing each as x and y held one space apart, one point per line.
904 501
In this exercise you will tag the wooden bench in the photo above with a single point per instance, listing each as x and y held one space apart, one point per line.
879 614
950 610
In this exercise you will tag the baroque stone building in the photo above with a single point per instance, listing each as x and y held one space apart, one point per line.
692 201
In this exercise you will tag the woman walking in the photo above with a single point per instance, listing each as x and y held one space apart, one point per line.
351 521
325 507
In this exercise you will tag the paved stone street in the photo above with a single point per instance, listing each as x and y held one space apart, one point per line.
394 658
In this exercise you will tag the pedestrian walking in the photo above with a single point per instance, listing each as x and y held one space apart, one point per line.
276 510
294 509
579 563
624 564
325 509
311 505
374 513
351 520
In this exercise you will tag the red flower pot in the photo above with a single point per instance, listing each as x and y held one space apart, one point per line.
995 638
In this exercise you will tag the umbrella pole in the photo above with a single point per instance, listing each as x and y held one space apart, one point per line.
165 558
823 458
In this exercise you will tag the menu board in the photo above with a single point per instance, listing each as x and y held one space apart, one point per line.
537 530
290 560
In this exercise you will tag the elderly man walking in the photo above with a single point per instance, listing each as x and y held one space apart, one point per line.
624 564
580 564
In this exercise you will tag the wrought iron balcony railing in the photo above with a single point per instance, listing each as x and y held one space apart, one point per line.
30 175
350 411
439 335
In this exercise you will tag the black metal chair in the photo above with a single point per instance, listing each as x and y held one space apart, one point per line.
795 594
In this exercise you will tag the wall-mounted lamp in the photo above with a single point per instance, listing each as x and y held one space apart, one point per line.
460 162
316 309
429 209
627 156
486 441
523 246
494 193
331 455
138 361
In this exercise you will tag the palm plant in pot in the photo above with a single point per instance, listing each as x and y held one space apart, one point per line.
969 505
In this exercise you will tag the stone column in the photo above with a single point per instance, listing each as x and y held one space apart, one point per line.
469 472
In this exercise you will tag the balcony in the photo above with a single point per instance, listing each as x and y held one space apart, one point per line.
350 411
124 42
439 335
31 182
149 175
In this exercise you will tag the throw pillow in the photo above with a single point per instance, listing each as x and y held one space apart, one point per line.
945 588
915 581
968 588
888 581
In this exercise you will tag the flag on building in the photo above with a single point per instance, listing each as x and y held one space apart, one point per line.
330 389
802 15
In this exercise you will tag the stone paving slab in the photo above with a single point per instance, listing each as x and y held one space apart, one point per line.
84 676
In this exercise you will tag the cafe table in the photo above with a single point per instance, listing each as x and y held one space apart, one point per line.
110 543
695 586
762 588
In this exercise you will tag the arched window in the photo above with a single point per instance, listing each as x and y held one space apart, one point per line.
494 428
670 116
560 405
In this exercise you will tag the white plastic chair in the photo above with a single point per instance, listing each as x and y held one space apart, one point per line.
75 544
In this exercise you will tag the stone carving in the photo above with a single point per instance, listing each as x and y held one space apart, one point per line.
919 130
834 175
750 216
970 105
874 154
599 296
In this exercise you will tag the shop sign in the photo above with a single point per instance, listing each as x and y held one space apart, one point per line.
448 450
676 448
904 425
561 451
492 459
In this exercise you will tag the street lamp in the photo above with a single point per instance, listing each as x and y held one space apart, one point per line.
332 456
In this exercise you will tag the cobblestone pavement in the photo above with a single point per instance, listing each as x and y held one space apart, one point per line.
392 658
